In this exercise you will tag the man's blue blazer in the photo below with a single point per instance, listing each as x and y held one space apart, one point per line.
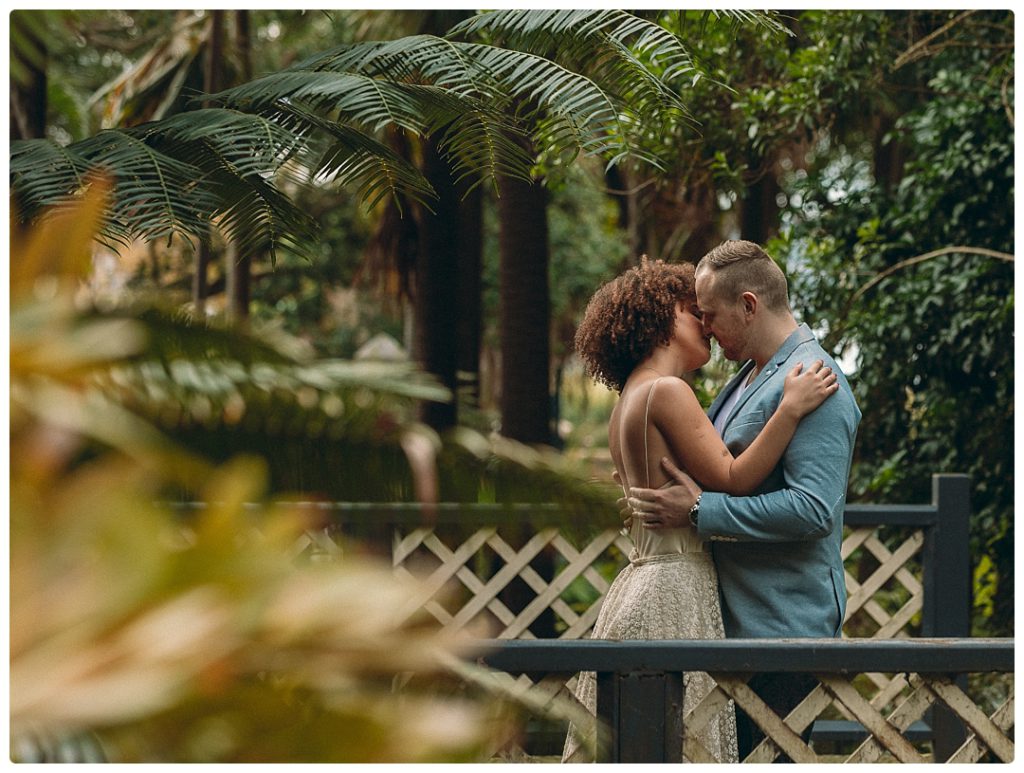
777 552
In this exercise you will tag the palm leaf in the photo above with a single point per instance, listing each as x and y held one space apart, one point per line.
738 18
174 177
352 158
475 142
235 153
155 195
44 174
350 107
250 143
423 82
633 58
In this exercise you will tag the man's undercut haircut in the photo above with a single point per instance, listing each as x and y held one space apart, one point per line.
742 266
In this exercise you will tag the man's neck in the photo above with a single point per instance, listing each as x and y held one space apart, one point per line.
776 329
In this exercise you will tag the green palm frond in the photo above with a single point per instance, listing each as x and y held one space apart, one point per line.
250 143
155 194
358 99
250 211
45 174
627 55
350 107
351 158
768 20
413 59
173 177
452 79
258 217
475 142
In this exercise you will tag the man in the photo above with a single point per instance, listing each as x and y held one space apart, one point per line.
777 552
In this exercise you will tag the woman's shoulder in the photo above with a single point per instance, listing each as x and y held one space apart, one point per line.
669 385
672 394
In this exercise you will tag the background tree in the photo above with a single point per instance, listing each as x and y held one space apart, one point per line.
930 336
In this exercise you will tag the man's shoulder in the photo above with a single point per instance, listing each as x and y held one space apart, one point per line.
810 351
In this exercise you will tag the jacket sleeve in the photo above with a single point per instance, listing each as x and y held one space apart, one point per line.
815 470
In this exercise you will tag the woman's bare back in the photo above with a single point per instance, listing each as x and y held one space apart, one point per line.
636 444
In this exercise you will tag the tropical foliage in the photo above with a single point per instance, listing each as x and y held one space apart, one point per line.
321 118
924 293
177 640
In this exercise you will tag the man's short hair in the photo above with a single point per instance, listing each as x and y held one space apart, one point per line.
742 266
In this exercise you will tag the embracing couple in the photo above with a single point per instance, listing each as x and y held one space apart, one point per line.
735 515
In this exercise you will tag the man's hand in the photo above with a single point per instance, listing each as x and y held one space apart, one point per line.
622 504
665 508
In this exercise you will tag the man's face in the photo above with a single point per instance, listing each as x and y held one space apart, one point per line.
723 319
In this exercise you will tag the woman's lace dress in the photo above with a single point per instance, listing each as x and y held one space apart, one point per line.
668 591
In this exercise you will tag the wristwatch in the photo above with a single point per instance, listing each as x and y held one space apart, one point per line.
695 511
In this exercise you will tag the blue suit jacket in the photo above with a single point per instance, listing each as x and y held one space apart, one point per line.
777 552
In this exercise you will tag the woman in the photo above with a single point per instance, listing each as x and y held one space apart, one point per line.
640 333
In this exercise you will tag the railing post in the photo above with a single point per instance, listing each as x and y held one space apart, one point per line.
947 589
642 716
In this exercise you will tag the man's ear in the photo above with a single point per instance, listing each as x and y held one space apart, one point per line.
749 301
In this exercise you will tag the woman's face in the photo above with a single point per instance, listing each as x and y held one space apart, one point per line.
689 332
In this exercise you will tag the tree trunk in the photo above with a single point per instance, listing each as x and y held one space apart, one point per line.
437 312
28 89
239 267
759 211
212 79
469 254
525 312
524 325
446 335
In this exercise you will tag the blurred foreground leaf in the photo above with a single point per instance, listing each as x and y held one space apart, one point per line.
201 639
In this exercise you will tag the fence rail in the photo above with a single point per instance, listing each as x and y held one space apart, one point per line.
639 685
907 573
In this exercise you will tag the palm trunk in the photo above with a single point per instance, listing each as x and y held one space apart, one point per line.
525 314
446 315
759 210
239 267
27 97
211 83
436 295
525 320
469 251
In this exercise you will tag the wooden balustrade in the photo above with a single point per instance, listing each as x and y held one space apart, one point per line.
647 672
907 575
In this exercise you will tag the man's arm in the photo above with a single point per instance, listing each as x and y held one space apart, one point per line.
815 470
815 466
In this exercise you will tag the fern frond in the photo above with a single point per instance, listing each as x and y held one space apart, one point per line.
624 53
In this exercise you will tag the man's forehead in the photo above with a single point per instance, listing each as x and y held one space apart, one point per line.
704 287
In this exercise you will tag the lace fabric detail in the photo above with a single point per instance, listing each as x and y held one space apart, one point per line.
672 596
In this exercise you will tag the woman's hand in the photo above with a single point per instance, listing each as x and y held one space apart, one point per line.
805 391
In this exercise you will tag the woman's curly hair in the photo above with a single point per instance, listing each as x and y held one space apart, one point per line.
629 316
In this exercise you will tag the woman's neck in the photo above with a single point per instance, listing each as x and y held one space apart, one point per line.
664 365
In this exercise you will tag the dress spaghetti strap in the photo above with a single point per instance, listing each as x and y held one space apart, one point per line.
647 462
647 426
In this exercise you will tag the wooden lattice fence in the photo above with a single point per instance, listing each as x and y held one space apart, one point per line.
907 576
931 668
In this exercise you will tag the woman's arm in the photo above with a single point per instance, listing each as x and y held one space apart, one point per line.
693 440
